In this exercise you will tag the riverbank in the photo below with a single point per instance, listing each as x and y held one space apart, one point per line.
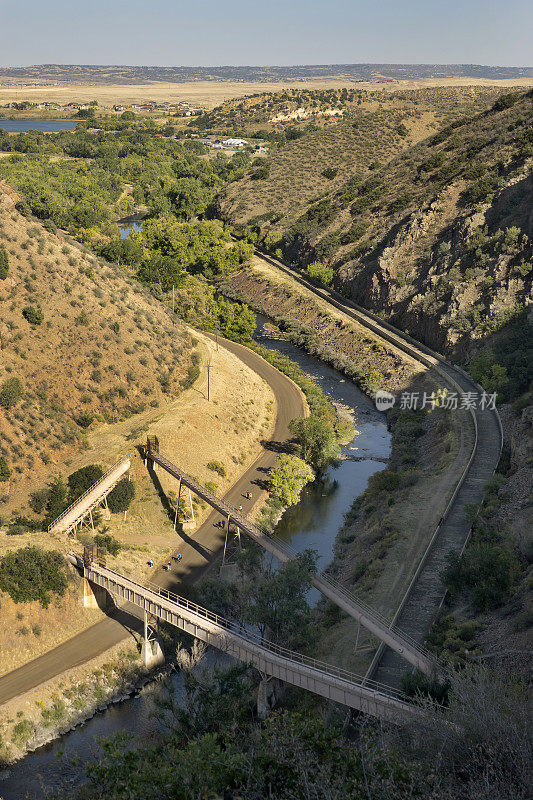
387 531
208 538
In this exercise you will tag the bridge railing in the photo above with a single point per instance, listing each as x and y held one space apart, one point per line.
84 495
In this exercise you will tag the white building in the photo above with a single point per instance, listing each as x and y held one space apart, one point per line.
234 142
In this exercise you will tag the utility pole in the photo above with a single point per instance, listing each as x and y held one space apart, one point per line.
208 381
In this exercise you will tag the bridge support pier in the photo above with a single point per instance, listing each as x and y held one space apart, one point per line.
269 692
151 650
95 596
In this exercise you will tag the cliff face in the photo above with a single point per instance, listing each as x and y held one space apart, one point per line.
451 274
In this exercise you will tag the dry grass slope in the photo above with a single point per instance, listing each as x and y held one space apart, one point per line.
375 126
105 349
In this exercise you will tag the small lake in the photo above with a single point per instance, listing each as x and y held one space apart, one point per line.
130 227
43 125
313 522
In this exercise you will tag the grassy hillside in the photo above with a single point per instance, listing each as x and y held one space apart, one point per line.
439 238
79 343
329 136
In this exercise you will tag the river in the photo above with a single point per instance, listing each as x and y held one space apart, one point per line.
43 125
312 523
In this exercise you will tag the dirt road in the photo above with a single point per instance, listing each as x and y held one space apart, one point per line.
197 549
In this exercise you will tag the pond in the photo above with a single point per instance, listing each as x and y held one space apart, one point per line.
43 125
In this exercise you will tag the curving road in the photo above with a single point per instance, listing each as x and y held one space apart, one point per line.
197 552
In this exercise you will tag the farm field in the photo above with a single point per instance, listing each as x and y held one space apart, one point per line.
208 94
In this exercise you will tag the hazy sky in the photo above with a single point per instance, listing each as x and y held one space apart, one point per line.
236 32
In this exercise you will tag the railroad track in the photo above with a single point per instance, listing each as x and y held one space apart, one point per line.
425 592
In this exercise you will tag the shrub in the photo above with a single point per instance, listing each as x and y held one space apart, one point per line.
10 392
121 496
386 480
33 574
402 130
109 543
4 262
415 684
216 466
54 713
84 419
49 226
487 570
5 472
329 172
22 732
319 272
34 315
193 374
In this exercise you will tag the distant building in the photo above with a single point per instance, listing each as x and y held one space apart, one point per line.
234 142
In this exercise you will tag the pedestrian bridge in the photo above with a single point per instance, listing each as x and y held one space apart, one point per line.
95 495
331 683
368 617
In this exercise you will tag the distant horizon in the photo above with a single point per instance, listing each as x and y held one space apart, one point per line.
268 66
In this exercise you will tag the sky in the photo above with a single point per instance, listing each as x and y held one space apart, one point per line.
270 32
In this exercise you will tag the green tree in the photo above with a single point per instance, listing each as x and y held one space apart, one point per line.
4 262
57 500
31 573
121 496
190 198
317 440
319 272
288 477
10 392
81 480
276 601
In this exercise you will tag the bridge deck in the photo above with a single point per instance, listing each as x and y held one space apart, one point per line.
94 495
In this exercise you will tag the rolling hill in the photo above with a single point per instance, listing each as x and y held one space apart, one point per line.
439 238
80 342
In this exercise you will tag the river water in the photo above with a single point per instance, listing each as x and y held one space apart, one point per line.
313 523
43 125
